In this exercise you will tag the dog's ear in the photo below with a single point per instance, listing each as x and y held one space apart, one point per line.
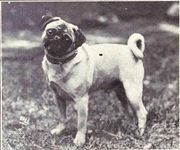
47 19
79 37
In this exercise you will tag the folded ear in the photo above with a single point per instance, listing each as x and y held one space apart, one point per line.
79 37
47 19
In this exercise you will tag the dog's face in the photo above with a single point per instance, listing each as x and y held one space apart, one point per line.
60 37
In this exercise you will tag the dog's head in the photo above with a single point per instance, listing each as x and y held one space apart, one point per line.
60 37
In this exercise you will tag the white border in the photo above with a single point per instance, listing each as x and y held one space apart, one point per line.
1 74
90 1
63 1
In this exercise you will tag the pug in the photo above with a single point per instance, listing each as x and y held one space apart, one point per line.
74 69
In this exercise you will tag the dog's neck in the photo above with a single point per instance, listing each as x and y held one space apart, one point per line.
61 60
72 52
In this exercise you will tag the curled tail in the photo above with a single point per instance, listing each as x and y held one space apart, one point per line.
137 45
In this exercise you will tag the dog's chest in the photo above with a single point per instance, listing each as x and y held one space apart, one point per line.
54 75
69 78
53 72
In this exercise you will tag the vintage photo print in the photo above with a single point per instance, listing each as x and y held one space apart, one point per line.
90 75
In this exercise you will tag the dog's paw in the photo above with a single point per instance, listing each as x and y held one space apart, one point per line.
79 139
141 131
58 129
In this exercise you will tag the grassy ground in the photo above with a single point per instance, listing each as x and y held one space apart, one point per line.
27 99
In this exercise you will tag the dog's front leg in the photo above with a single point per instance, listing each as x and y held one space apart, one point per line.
61 103
82 111
62 108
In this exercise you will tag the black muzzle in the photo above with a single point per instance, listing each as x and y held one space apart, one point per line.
57 42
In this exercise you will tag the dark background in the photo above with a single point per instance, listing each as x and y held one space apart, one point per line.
29 14
29 111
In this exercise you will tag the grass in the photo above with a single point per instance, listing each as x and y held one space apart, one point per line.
25 94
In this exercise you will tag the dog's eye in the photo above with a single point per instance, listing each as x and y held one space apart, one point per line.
51 32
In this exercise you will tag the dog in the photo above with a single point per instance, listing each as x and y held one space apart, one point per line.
74 69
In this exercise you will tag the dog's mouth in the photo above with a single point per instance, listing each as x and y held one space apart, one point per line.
56 42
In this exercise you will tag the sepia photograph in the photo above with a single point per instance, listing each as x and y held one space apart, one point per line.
90 75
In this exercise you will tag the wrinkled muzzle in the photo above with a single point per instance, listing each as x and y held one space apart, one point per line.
56 42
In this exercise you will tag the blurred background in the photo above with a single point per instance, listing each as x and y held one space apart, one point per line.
29 111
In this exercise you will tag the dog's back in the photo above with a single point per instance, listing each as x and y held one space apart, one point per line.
109 60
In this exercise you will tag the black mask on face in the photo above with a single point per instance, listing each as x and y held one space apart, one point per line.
57 41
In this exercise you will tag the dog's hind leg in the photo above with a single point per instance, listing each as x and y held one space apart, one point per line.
121 95
134 89
61 103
